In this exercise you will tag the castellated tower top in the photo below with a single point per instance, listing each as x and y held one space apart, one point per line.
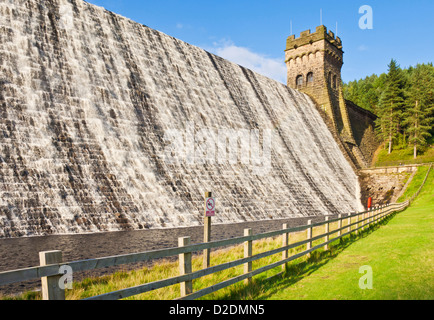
314 60
306 37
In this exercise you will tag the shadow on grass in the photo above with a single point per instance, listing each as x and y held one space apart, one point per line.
261 289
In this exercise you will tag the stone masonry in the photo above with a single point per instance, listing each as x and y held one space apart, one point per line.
314 62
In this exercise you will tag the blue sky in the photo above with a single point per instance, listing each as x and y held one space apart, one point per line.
253 33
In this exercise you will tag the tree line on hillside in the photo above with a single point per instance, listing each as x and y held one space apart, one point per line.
403 100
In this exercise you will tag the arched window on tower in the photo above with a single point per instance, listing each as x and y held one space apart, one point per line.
329 79
335 81
310 78
299 81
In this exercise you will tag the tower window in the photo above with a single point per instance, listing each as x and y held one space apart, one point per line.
299 81
335 82
310 78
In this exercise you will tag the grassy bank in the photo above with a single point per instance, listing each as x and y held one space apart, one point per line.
399 252
404 156
416 183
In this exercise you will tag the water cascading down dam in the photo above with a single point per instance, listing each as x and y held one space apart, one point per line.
107 125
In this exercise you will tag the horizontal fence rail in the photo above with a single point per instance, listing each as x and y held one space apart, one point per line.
52 267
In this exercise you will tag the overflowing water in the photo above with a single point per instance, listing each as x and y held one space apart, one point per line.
87 99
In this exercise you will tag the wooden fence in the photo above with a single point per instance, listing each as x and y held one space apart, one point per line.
52 268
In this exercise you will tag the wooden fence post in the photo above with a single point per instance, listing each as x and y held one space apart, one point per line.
339 225
50 285
309 236
357 225
349 222
248 251
185 266
374 212
327 230
285 241
368 215
373 215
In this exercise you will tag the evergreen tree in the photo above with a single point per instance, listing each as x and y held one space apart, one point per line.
391 105
419 115
402 99
364 92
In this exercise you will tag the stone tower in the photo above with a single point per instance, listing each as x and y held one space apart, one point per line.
314 62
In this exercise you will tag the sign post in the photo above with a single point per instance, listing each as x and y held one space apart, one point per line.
209 213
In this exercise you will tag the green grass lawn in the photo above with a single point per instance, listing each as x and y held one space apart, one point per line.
403 156
400 254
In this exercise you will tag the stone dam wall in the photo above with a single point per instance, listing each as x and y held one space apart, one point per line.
385 185
363 125
108 125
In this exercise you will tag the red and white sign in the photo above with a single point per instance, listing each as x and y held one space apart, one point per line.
210 207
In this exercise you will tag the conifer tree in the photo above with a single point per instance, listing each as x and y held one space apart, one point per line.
391 104
419 115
